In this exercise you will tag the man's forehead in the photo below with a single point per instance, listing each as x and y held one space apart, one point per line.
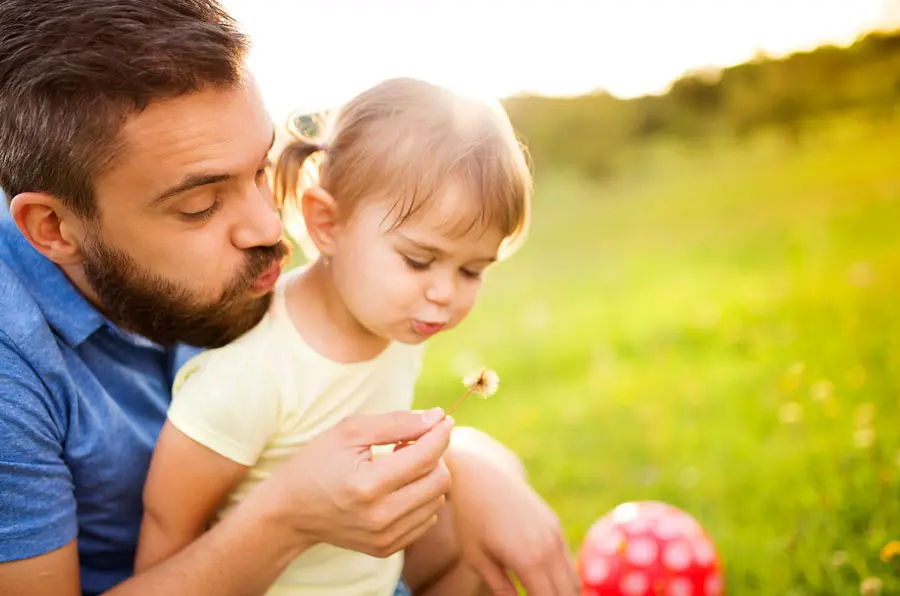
213 129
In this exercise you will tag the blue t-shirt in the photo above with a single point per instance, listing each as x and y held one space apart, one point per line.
81 405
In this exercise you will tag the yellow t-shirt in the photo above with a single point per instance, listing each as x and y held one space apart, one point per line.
258 399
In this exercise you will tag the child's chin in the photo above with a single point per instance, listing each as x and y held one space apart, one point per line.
410 338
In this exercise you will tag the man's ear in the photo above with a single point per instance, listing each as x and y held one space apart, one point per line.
320 216
51 228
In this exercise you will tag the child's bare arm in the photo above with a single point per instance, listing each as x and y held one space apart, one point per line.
186 484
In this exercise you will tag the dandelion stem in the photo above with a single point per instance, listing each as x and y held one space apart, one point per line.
459 401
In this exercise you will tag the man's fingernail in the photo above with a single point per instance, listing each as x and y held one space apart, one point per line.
433 416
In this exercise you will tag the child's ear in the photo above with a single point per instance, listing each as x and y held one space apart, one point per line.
320 216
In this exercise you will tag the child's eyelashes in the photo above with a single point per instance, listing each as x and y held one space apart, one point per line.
416 265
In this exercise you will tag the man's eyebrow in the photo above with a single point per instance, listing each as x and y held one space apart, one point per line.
193 181
190 182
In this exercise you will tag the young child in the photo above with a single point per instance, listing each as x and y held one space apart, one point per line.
413 194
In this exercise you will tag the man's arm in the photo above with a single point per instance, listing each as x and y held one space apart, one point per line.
331 491
242 555
218 563
53 573
38 524
37 507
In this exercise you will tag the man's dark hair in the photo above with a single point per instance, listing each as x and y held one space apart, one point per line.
72 72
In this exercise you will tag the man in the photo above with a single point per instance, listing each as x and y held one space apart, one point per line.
139 221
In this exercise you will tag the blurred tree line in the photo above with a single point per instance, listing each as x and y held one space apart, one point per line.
590 132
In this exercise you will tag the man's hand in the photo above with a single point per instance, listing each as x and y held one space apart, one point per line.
504 526
333 491
330 491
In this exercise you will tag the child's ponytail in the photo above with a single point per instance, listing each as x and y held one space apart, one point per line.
292 163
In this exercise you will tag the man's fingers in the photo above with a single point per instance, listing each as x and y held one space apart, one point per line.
416 525
565 576
493 575
391 427
417 517
538 581
381 539
570 568
553 573
429 490
396 470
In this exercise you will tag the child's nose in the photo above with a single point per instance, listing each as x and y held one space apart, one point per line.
440 290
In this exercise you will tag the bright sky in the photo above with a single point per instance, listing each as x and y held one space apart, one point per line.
314 54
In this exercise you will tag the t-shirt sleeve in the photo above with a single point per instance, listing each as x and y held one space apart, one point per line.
37 501
225 400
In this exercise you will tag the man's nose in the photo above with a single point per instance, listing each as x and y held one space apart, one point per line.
259 223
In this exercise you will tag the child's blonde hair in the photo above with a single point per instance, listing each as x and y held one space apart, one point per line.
407 141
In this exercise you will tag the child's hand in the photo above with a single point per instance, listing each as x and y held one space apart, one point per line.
333 491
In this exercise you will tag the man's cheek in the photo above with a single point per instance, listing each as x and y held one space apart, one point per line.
206 283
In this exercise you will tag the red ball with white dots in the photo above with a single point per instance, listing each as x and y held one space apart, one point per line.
648 548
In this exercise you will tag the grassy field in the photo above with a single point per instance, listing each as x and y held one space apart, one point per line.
720 331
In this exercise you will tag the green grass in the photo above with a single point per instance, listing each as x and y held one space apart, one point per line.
718 331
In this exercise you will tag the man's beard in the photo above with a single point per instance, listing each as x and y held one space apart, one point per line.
145 303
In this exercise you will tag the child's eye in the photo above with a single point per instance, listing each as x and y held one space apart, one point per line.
416 265
471 274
